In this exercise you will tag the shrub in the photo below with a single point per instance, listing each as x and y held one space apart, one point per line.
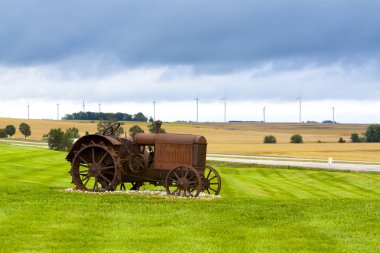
296 138
270 139
341 140
355 137
373 133
59 140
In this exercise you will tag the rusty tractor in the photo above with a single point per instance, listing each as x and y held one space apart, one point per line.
103 162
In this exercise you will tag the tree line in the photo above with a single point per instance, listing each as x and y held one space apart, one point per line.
10 130
119 116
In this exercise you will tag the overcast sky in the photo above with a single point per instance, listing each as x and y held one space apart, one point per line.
125 54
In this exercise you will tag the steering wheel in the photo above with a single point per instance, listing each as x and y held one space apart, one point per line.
111 130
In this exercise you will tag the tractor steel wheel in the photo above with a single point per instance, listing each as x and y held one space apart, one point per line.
95 168
183 181
211 182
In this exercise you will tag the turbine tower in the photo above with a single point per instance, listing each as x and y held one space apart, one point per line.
28 110
300 109
196 102
99 104
225 107
84 106
333 114
264 114
57 110
154 111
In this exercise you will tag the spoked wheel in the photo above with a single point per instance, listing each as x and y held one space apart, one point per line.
136 163
94 168
183 181
211 182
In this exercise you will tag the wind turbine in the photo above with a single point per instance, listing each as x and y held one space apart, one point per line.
154 111
84 105
196 101
99 104
300 109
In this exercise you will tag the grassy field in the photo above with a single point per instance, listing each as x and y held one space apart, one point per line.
246 138
261 210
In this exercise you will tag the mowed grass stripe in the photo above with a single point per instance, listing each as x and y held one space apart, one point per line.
282 183
337 186
296 181
33 165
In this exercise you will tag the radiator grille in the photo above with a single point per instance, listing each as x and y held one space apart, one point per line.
200 151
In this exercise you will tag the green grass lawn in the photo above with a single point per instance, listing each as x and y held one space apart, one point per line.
261 210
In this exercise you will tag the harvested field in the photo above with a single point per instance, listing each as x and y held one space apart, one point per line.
245 138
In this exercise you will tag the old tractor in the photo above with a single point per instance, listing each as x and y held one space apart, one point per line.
103 162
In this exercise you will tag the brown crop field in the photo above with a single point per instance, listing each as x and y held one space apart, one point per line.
244 138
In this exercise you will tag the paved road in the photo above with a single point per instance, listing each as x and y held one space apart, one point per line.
287 162
26 143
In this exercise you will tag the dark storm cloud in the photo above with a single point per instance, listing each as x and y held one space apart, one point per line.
214 35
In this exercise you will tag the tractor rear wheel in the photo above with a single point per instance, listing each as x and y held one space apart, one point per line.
95 168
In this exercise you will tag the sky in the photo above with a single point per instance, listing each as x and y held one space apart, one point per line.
126 54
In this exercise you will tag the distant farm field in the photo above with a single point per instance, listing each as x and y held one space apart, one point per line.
246 138
260 210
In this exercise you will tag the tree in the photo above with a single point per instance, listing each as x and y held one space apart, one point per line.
140 117
152 128
296 138
134 130
270 139
59 140
55 139
373 133
73 132
11 130
355 137
3 133
341 140
151 119
69 136
25 129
